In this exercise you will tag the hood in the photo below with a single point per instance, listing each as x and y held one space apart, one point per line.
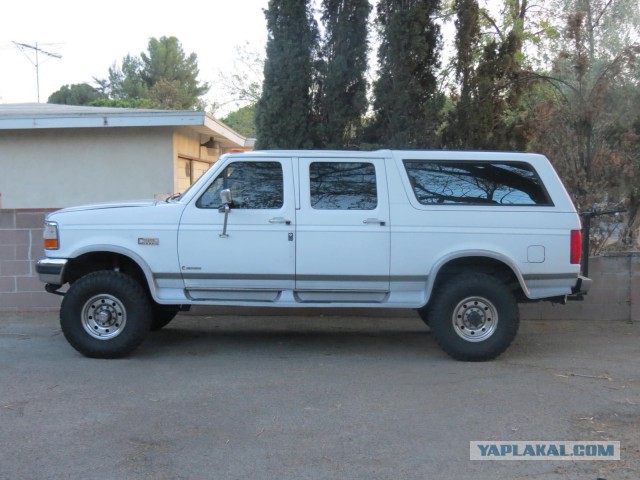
102 206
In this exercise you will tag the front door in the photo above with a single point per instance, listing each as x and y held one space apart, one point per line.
256 260
343 233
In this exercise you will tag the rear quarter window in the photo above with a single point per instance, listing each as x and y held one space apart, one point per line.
476 183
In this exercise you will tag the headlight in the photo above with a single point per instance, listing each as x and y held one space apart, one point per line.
50 236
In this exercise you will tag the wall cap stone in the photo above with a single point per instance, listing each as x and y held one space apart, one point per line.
618 254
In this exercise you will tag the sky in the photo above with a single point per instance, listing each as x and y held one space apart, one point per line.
91 36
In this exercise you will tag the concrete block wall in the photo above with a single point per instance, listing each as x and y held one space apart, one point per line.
20 246
635 289
614 295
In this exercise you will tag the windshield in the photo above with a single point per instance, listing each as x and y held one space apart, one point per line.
179 196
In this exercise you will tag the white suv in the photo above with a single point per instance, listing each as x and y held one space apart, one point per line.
459 236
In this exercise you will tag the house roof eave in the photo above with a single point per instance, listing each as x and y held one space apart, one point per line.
47 116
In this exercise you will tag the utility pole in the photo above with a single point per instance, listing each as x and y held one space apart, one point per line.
23 46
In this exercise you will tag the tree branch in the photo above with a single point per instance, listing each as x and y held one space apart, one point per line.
492 22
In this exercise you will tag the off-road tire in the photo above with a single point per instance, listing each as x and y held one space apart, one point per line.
105 314
473 317
162 315
423 313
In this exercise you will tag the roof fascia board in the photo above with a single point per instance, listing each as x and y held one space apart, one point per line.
28 122
224 131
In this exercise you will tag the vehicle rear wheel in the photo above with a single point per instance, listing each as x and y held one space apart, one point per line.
162 315
473 317
423 313
105 314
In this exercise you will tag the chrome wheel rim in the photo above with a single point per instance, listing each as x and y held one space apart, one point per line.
104 317
475 319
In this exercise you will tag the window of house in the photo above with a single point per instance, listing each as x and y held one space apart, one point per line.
343 186
476 183
253 185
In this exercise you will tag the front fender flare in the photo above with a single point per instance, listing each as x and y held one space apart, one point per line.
105 248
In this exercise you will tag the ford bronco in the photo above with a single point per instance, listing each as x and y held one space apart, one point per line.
460 236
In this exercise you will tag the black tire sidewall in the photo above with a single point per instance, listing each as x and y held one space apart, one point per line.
162 315
126 290
424 315
447 297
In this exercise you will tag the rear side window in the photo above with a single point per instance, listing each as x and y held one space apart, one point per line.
475 183
343 186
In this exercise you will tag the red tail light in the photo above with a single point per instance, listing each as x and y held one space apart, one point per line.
576 246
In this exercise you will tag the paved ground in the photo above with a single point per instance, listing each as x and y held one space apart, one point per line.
299 397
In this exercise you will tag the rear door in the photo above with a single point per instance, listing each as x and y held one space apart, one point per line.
343 234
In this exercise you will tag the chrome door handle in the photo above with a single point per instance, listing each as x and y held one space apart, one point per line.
369 221
280 221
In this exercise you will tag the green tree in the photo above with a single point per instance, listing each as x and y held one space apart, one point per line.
124 82
585 123
630 141
76 94
164 76
489 113
407 103
172 73
342 87
467 41
284 112
111 102
243 120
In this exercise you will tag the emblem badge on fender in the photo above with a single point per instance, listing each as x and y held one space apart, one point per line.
148 241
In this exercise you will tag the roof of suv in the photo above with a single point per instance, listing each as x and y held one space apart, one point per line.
404 154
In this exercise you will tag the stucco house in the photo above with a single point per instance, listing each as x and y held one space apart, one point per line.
54 156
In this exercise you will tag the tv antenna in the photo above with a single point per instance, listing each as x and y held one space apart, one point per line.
38 50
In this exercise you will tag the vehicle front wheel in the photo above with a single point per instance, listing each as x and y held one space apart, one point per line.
473 317
162 315
105 314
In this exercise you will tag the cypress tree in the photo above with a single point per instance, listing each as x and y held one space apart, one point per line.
284 111
487 113
407 104
467 39
495 106
341 85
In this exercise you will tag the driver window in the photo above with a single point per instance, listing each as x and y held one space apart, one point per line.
253 185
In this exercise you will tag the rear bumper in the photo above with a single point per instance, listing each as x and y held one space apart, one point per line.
580 289
51 270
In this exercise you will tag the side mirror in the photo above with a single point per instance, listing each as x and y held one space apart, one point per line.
227 199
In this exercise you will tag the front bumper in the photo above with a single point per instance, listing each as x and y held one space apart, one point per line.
51 270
